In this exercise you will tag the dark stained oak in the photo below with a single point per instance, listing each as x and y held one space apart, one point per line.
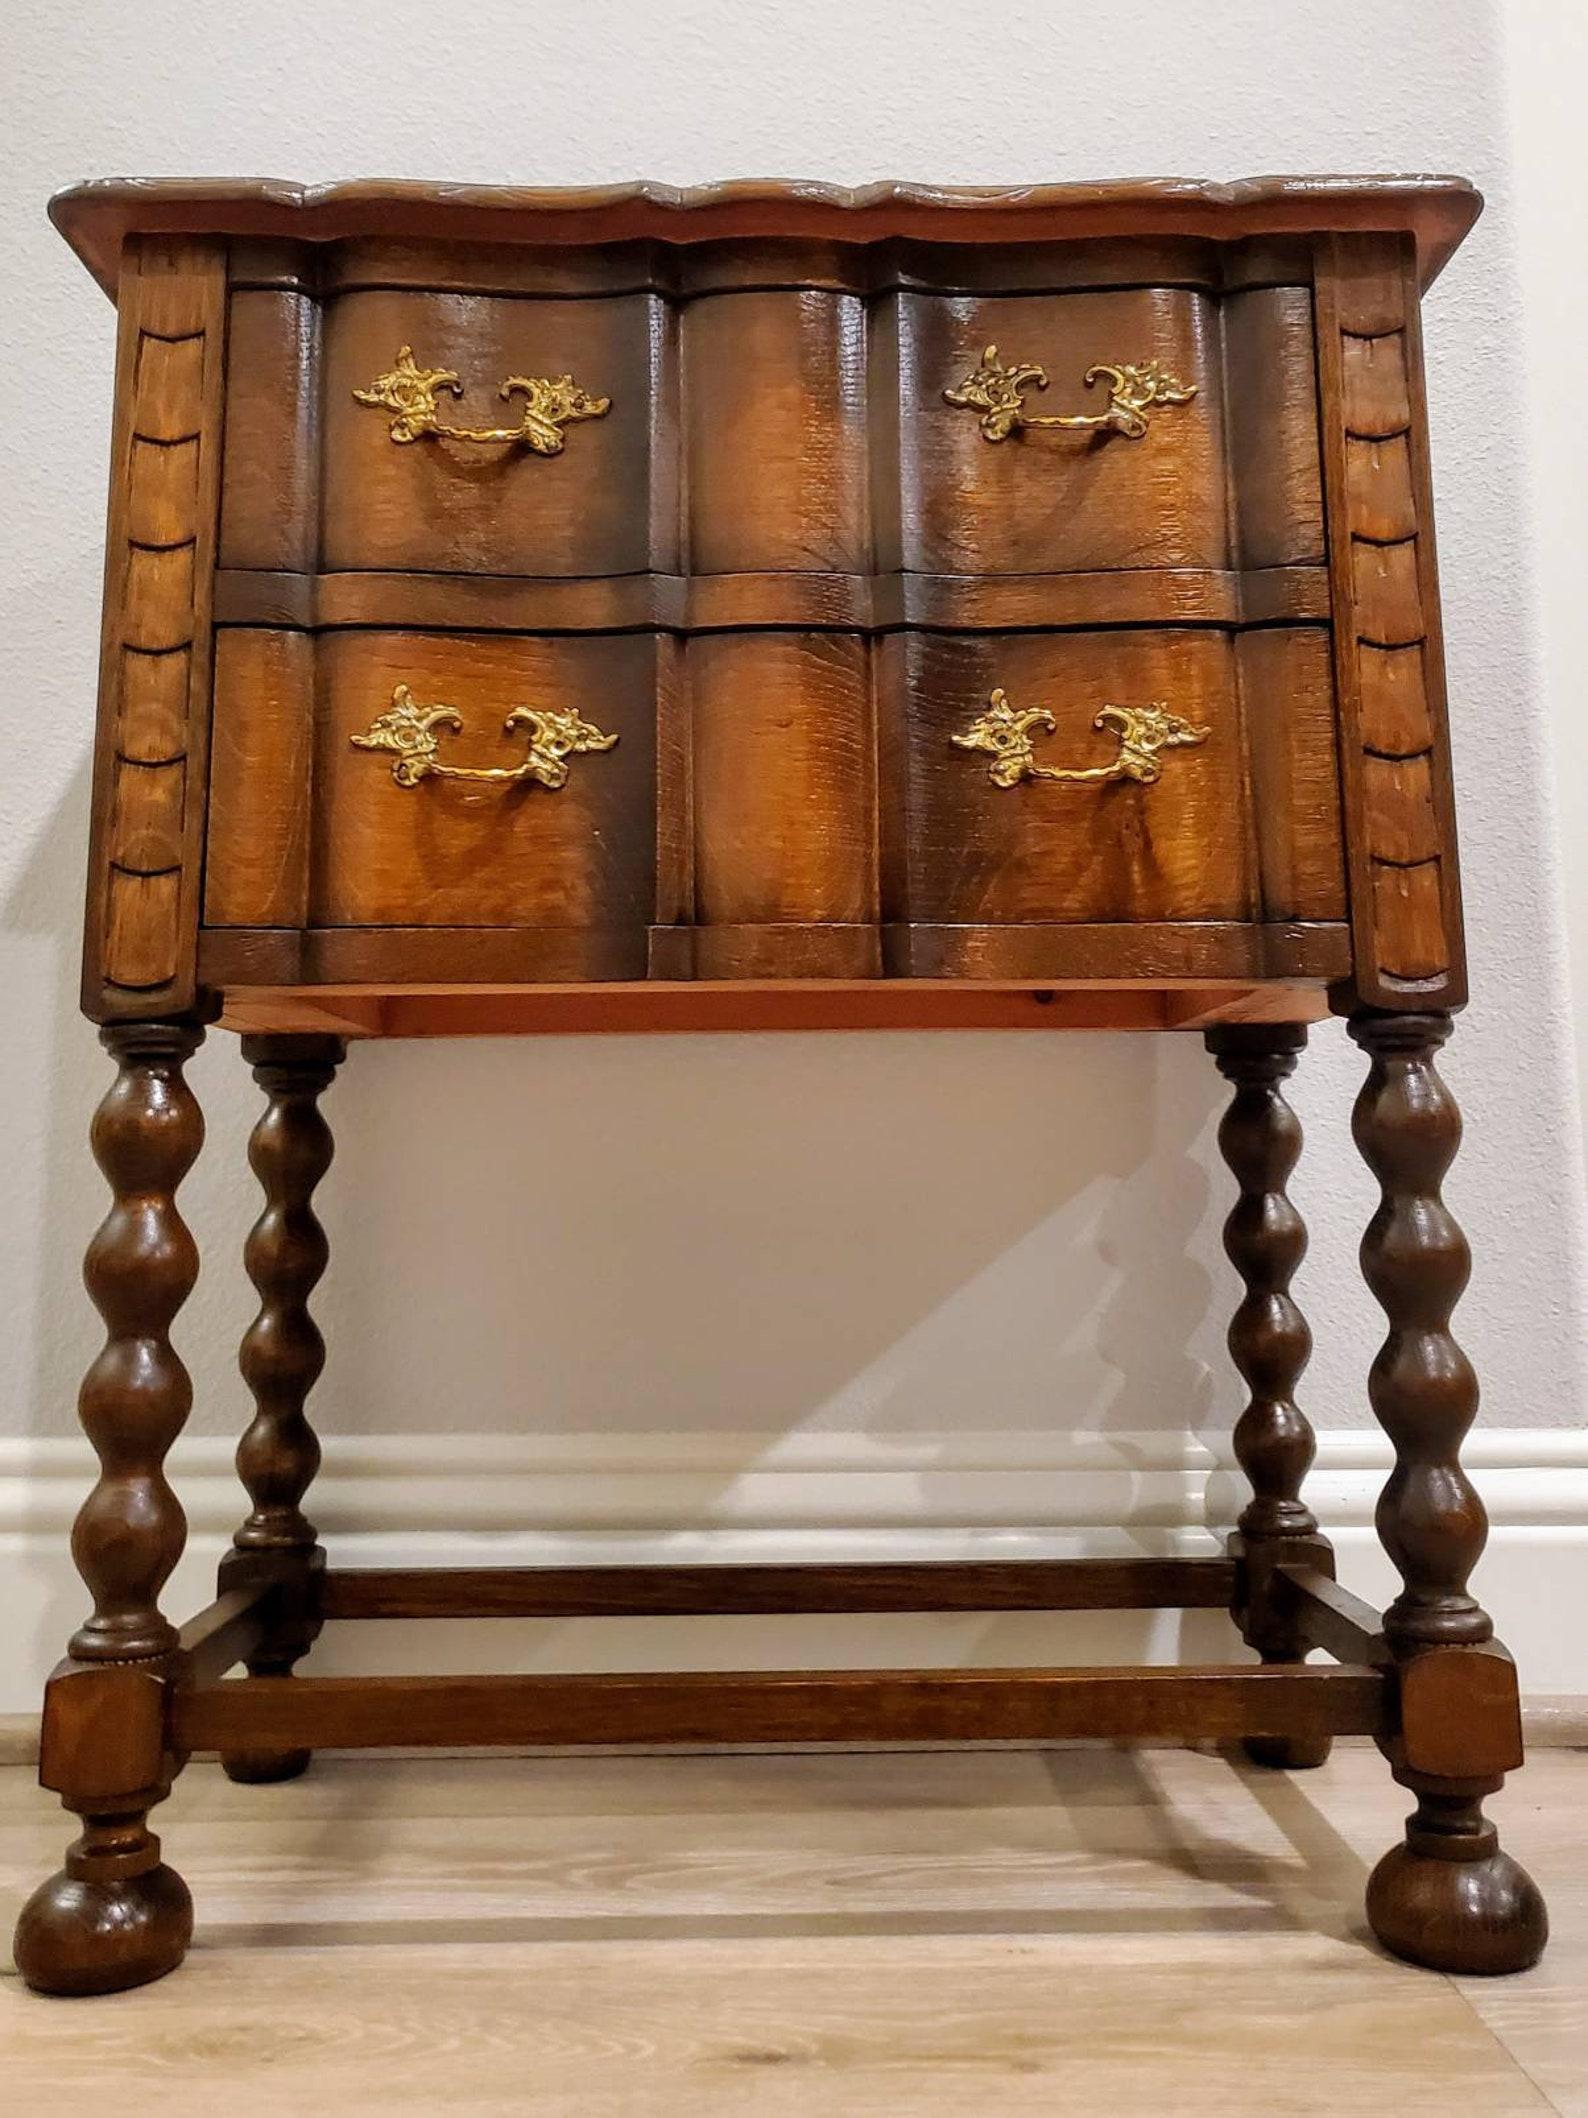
1326 1615
764 707
270 517
281 1357
1448 1897
115 1915
96 216
1388 652
960 850
829 1706
146 840
261 759
1286 693
641 1591
783 571
1265 1240
136 1396
457 853
1166 955
1047 500
606 505
774 445
806 599
1271 400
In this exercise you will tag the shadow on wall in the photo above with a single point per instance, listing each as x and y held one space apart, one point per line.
897 1234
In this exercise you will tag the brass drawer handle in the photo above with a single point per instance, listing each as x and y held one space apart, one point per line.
1003 733
995 391
408 731
409 393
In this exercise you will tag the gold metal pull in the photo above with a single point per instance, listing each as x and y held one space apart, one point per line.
408 731
995 391
410 394
1003 733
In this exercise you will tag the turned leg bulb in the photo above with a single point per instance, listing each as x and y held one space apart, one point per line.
1447 1898
1265 1239
115 1916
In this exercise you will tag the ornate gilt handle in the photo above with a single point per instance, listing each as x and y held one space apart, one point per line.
1003 733
408 731
410 394
996 392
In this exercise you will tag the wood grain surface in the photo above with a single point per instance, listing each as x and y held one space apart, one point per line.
702 1937
604 506
958 849
455 853
1046 501
95 217
774 390
1389 657
145 854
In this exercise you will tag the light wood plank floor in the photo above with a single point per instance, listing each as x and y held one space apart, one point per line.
991 1933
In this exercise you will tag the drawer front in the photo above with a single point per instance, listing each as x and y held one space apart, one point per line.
1045 499
459 852
313 823
973 838
438 504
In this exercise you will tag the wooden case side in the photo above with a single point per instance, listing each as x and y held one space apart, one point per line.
146 840
1388 644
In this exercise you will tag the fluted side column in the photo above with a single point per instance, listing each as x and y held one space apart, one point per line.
1448 1897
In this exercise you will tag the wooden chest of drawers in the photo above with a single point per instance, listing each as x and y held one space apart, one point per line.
858 533
772 607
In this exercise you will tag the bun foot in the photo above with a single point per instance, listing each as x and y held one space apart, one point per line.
80 1936
1478 1917
261 1768
1288 1753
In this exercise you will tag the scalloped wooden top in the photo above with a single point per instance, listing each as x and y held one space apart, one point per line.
95 217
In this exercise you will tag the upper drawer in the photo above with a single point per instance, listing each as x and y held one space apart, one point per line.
769 430
1212 460
447 502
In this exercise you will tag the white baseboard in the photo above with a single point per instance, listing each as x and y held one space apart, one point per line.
523 1499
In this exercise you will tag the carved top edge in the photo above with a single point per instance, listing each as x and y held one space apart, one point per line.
96 217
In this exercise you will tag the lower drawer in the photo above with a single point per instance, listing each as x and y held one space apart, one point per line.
404 779
819 804
1094 777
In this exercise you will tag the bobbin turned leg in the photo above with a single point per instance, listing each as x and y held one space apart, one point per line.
1448 1897
281 1357
116 1915
1265 1240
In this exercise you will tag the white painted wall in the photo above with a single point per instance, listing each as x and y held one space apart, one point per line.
1546 79
794 1287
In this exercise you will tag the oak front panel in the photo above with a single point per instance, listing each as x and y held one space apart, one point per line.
961 849
465 853
1271 408
440 505
774 389
270 505
783 805
1287 707
1051 500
